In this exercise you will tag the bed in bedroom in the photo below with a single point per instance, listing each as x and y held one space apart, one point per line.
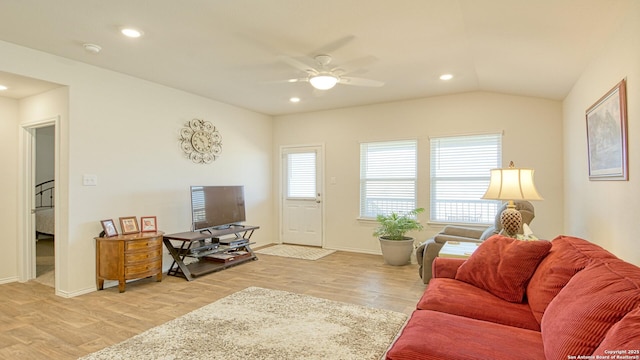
44 209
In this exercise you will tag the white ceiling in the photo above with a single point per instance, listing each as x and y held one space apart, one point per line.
231 50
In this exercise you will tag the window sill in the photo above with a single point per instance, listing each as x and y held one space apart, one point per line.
366 220
468 225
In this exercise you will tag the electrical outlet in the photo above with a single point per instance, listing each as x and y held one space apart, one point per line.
90 180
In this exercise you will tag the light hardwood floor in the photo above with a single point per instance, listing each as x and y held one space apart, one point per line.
36 324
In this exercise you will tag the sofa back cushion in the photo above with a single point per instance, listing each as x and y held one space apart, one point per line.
623 337
578 318
567 256
503 266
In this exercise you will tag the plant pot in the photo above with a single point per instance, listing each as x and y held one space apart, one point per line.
396 252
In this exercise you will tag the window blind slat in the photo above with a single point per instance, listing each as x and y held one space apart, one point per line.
460 176
387 177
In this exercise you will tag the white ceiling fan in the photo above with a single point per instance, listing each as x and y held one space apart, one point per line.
324 76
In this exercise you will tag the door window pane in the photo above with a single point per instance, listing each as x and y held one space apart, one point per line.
301 177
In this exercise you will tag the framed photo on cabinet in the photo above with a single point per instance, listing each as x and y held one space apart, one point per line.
607 135
129 225
148 224
109 228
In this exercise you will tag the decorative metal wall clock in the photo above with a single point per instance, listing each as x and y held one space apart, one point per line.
200 141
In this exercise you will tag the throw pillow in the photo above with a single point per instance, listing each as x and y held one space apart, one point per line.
578 319
567 256
503 266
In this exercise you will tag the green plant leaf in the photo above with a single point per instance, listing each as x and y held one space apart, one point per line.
394 226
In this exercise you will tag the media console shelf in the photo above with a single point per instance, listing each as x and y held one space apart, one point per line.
211 249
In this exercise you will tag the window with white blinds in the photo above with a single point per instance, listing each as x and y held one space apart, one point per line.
301 175
387 177
460 176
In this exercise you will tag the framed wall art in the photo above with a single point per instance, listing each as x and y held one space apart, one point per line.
109 228
148 224
607 135
129 225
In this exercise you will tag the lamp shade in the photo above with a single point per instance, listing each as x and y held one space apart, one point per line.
512 184
323 81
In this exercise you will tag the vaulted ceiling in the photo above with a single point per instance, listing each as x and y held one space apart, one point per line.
240 52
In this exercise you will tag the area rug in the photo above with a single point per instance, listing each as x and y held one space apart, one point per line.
258 323
294 251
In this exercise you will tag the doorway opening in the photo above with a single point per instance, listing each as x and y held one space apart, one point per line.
37 204
44 205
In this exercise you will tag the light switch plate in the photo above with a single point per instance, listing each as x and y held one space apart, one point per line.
90 180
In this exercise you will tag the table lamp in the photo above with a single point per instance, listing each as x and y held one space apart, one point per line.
511 184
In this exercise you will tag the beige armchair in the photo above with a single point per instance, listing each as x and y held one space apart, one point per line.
429 250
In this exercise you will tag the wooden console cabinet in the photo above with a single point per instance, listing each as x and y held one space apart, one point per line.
126 257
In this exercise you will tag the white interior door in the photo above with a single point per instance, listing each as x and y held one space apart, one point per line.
302 196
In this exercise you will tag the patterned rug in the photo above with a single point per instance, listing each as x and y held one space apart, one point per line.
295 251
258 323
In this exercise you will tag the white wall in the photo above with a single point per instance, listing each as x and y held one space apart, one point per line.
125 131
605 212
8 186
532 138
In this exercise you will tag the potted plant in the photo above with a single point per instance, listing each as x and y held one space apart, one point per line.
395 245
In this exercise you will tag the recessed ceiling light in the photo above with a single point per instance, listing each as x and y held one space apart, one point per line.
446 77
2 87
131 32
92 48
295 99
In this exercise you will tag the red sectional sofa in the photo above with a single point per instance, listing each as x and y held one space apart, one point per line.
564 299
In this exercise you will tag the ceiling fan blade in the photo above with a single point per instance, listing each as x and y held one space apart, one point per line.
358 65
304 79
288 81
347 80
297 64
333 46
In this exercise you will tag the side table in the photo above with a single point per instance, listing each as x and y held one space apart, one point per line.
458 249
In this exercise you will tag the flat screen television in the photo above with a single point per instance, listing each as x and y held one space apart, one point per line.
216 207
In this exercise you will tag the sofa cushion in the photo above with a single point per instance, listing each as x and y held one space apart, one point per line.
503 266
567 256
459 298
578 318
446 267
436 335
623 336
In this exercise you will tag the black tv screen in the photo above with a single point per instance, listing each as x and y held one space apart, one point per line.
217 206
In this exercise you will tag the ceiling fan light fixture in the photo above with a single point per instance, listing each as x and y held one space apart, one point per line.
323 81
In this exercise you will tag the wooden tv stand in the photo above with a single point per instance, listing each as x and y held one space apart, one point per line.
211 248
